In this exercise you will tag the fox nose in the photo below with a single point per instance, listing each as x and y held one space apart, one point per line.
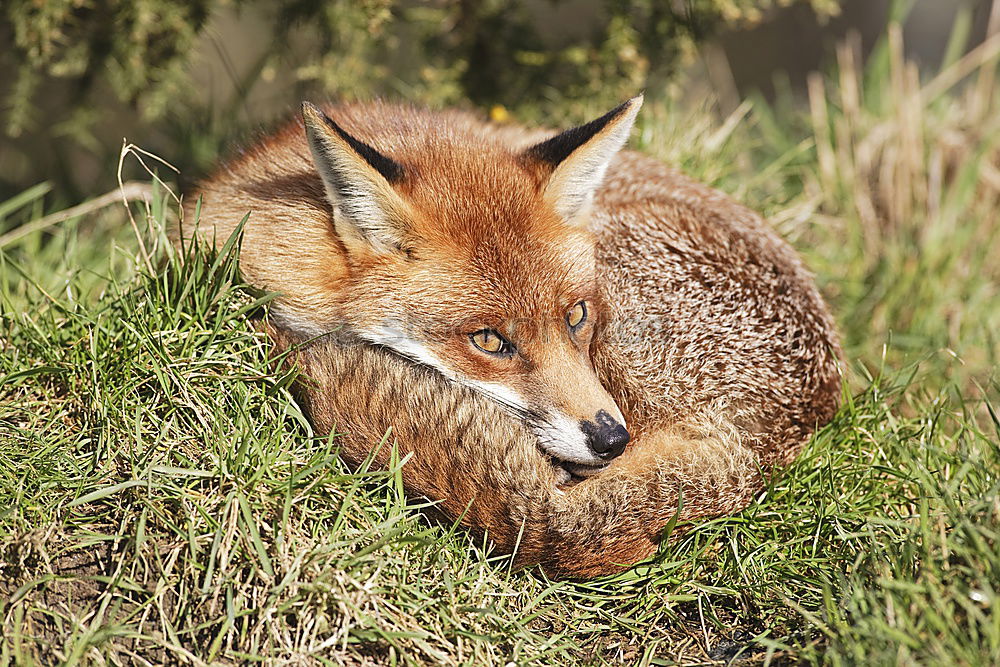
605 436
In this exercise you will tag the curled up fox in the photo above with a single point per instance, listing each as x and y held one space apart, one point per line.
577 345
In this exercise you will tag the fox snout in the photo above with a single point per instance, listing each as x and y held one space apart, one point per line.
605 436
593 441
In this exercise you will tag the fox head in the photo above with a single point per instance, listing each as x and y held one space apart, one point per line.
478 260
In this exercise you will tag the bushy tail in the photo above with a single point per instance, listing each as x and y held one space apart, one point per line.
484 466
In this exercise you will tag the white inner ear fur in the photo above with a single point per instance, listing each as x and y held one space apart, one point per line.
571 186
366 208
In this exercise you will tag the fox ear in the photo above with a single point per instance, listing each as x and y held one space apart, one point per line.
358 181
578 158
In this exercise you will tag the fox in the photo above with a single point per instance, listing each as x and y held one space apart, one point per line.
579 351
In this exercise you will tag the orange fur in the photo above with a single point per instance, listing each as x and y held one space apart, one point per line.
707 332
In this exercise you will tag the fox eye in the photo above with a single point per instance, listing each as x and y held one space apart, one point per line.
491 342
577 315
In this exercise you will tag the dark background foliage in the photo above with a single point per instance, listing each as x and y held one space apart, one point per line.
183 78
81 72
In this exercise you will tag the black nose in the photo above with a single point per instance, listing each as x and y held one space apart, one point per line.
606 437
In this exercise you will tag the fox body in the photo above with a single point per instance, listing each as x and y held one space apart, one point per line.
528 310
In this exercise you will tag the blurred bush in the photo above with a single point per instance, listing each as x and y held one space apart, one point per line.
115 57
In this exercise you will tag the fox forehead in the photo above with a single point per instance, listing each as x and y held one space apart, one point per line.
495 281
466 193
481 227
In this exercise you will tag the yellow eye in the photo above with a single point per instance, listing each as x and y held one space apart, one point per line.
491 342
576 315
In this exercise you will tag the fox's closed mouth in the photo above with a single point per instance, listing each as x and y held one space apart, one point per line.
569 473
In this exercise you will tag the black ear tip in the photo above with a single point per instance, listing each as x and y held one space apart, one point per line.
559 147
632 103
310 110
322 128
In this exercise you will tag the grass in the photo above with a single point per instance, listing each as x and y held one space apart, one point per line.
163 499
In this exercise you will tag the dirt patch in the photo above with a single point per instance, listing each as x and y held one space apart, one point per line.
43 590
27 568
52 589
